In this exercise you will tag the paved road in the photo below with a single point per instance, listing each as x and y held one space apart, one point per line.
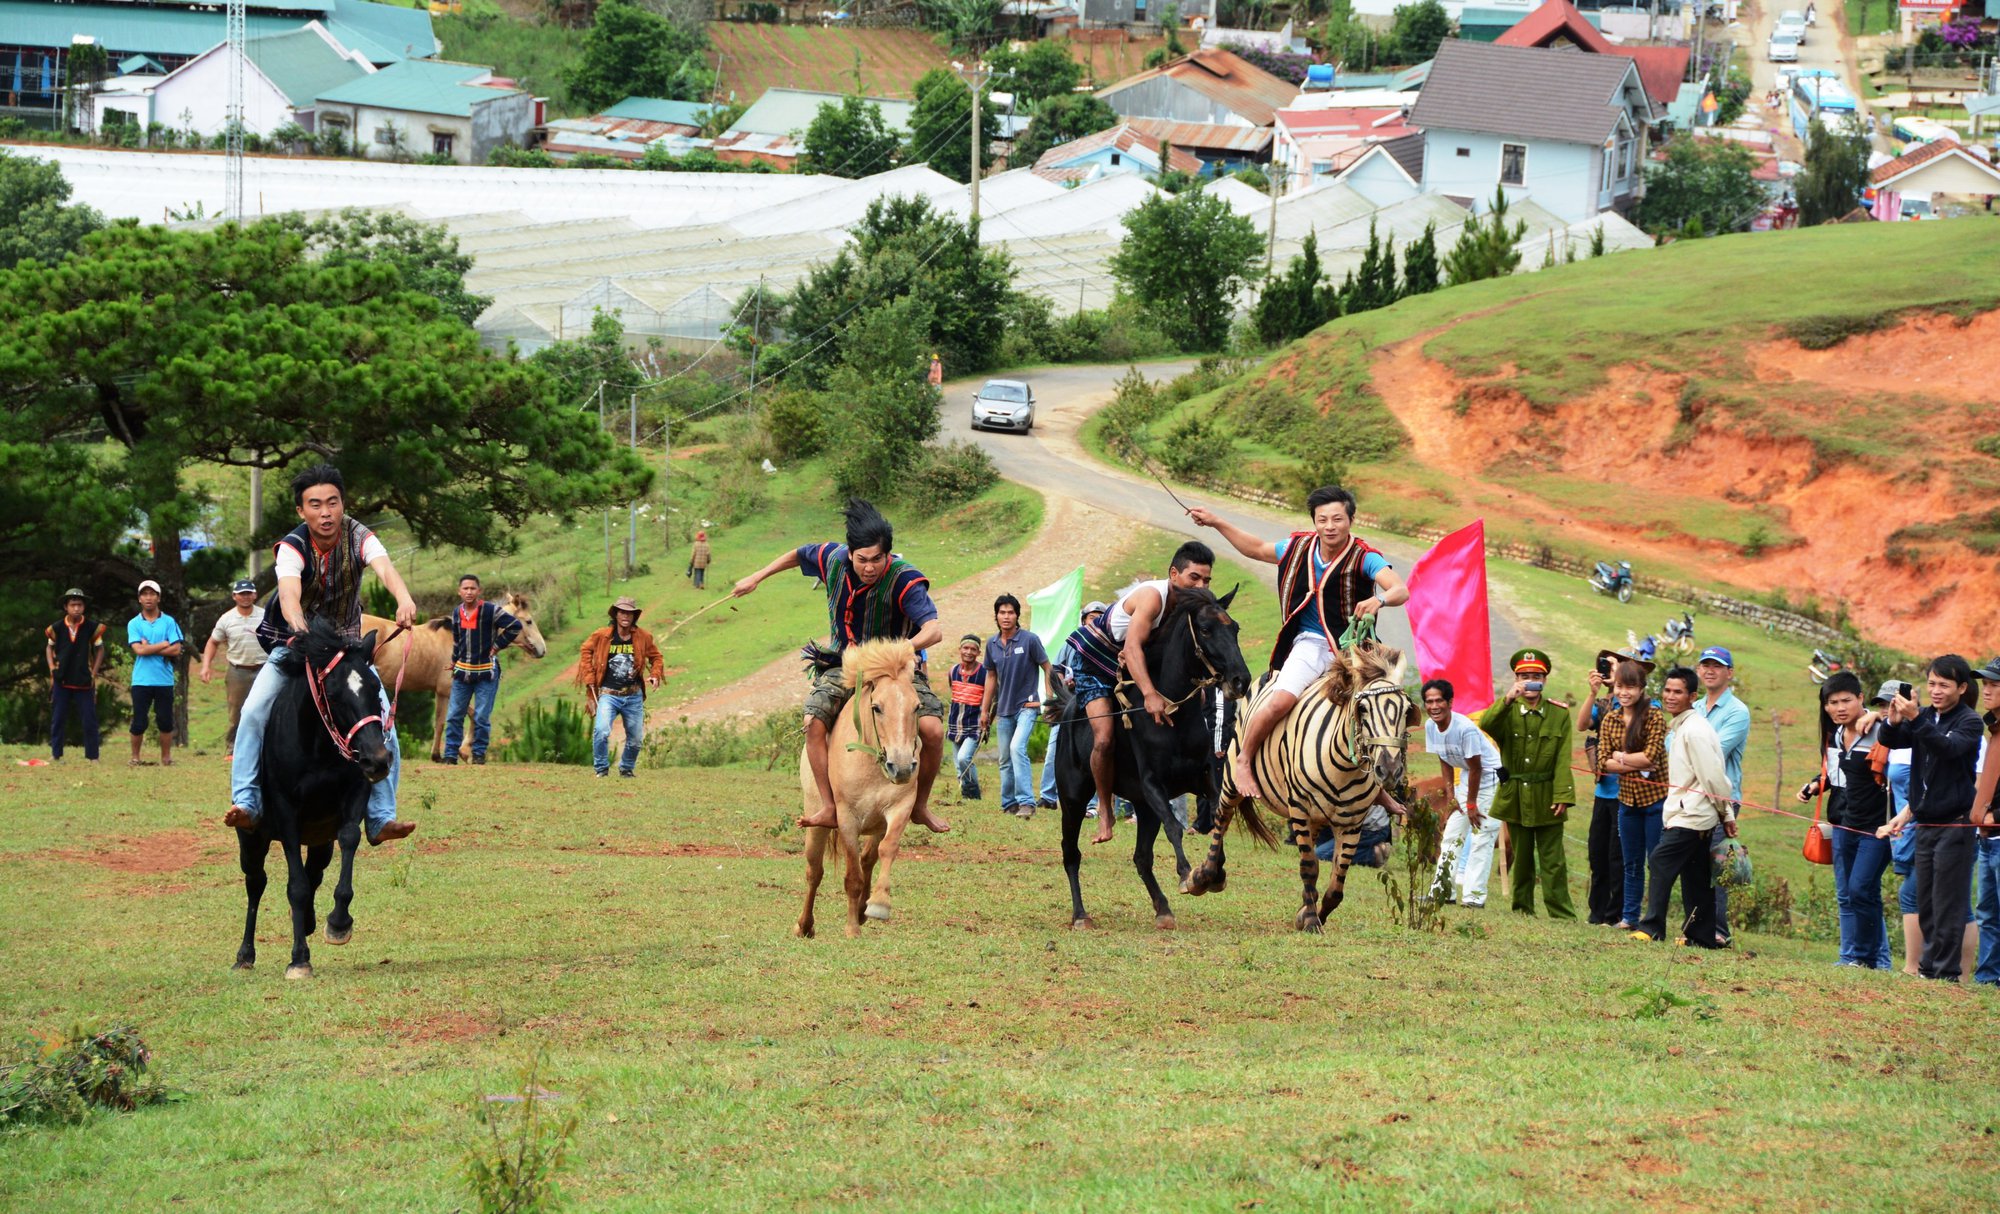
1051 460
1827 48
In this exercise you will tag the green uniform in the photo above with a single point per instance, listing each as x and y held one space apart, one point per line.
1534 752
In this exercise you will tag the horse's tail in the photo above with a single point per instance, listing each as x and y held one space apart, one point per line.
1253 822
819 658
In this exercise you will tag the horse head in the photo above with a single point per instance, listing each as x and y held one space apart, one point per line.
1205 619
531 635
346 694
882 677
1382 709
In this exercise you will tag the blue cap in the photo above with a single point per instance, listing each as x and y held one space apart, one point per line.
1716 653
243 584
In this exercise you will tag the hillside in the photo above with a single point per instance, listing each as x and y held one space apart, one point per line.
1808 411
822 59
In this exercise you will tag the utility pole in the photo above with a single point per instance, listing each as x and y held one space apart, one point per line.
607 509
757 339
975 76
632 509
256 520
1271 239
232 196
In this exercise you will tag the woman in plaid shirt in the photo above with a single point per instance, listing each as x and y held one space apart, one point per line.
1633 746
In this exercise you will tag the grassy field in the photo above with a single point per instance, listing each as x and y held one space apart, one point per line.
972 1055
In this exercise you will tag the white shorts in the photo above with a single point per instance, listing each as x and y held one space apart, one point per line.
1311 657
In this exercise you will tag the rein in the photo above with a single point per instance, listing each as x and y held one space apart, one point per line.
1214 679
316 683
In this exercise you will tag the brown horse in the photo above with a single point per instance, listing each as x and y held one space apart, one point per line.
872 763
429 663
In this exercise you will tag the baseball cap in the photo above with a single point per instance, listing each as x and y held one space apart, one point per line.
150 584
243 584
1888 691
1989 673
1094 606
75 592
1716 653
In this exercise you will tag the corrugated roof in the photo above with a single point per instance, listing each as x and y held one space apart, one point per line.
1206 136
1526 92
420 86
783 111
1919 156
1248 90
379 31
301 65
656 109
383 32
1122 137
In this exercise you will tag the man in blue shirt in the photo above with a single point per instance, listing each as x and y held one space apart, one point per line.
156 643
1015 665
1730 718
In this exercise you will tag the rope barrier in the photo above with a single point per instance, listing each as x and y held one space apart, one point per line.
1772 809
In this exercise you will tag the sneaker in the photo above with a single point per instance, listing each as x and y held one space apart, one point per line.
479 760
1046 803
602 772
626 773
1091 812
1469 904
1025 813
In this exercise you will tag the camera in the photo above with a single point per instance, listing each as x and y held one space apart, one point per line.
1532 685
1604 665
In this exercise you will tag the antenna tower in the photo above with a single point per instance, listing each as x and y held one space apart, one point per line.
232 202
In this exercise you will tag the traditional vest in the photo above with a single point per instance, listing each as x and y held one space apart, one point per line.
857 613
1339 589
473 646
1095 650
330 586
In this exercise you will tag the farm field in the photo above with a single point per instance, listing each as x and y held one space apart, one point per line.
759 57
636 938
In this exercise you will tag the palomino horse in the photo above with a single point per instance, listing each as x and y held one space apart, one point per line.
871 757
1192 649
1325 764
429 649
323 747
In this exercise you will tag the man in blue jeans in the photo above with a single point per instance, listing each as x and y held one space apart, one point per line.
1986 860
1730 717
479 631
1015 665
616 666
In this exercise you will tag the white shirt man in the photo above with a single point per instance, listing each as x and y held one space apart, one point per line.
1465 754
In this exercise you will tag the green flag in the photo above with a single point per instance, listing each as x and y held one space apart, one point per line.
1053 609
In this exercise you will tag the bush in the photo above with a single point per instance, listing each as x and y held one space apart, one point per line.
1271 414
738 492
1199 447
511 1167
61 1079
1321 451
795 423
507 156
552 732
947 476
684 743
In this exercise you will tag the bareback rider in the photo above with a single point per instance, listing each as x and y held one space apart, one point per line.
871 594
1327 578
319 566
1130 622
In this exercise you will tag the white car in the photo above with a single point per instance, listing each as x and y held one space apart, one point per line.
1792 22
1004 404
1784 48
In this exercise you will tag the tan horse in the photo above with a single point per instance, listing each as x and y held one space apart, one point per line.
429 665
872 764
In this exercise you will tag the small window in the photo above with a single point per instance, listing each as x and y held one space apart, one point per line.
385 135
1465 152
441 144
1513 163
1115 159
1625 153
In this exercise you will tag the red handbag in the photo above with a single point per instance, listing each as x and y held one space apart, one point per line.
1818 847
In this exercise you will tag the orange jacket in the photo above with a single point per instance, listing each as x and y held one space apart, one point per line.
596 651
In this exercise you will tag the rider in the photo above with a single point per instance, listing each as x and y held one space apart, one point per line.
871 594
1130 622
1090 659
1327 578
319 565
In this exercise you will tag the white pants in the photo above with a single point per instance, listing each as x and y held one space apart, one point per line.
1305 665
1470 862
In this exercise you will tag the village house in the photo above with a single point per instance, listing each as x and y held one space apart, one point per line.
427 106
1120 149
283 76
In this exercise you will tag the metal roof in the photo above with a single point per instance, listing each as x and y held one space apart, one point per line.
382 32
420 86
1527 92
301 64
1125 139
784 111
1209 137
655 109
1248 90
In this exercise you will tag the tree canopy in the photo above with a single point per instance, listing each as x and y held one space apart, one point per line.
631 51
1060 120
941 126
849 138
1702 181
1487 247
1185 259
1416 31
1044 71
1835 173
40 224
424 255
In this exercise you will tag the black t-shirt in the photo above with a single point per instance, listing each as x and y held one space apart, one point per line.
621 673
73 654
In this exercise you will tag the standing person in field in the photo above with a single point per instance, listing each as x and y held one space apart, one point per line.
155 639
1632 745
1016 663
1857 808
1327 578
967 681
871 594
1902 847
479 631
1470 764
235 638
1607 860
75 655
1731 718
1944 742
698 559
1985 815
616 666
319 565
1700 798
1088 667
1537 788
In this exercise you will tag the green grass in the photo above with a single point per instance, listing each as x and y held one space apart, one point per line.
972 1055
1865 17
1656 513
536 54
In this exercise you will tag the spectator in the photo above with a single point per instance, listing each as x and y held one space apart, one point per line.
1902 847
479 631
1700 798
1533 738
235 637
156 641
698 559
1372 849
962 719
1607 862
1633 746
1470 765
1855 807
75 655
1944 742
1016 663
1065 669
618 663
1731 718
1986 858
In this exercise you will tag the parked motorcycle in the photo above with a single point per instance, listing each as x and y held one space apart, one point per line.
1680 634
1613 579
1646 647
1824 666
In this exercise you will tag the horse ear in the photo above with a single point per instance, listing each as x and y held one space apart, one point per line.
369 640
1226 599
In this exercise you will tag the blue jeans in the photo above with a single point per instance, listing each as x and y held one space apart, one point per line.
479 695
1638 834
1049 766
1903 848
82 703
961 759
244 768
1364 847
1858 861
1986 862
1017 777
632 710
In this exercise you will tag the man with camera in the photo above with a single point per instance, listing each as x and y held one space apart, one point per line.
1536 788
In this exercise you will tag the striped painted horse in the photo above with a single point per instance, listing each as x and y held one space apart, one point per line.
1325 764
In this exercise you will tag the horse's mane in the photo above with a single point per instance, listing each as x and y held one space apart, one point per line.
819 658
871 660
322 640
1182 602
439 624
1356 668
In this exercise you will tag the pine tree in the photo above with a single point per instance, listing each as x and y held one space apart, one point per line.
1294 303
1488 249
1420 263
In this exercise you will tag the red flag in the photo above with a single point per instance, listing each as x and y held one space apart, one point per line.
1447 612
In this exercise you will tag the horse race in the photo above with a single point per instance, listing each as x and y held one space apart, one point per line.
662 650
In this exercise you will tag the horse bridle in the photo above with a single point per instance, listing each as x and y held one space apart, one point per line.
881 760
1214 678
1361 739
316 683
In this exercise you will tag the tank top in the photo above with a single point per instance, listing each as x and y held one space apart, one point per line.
1121 619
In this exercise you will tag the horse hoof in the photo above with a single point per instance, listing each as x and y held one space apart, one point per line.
243 967
853 931
1083 924
1165 922
342 937
1306 921
299 971
803 931
878 911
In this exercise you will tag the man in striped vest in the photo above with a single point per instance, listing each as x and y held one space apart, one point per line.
871 594
479 631
319 565
1327 578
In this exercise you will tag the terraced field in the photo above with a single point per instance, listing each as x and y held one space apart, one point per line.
759 57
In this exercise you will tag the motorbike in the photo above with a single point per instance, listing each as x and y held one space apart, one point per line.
1613 579
1680 634
1824 666
1646 647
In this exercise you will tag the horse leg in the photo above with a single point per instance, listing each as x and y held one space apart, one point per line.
815 869
318 857
1174 835
1307 920
1210 877
1072 857
251 850
856 884
298 891
339 922
878 882
1143 839
443 712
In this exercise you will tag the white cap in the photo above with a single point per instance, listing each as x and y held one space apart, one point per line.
150 584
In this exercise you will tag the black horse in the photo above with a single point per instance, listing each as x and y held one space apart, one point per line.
1192 649
323 747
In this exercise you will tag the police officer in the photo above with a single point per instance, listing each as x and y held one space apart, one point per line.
1536 787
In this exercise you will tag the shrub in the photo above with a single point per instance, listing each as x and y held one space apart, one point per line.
795 423
507 156
947 476
61 1079
1322 460
1271 414
511 1167
1198 447
686 743
553 732
739 491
